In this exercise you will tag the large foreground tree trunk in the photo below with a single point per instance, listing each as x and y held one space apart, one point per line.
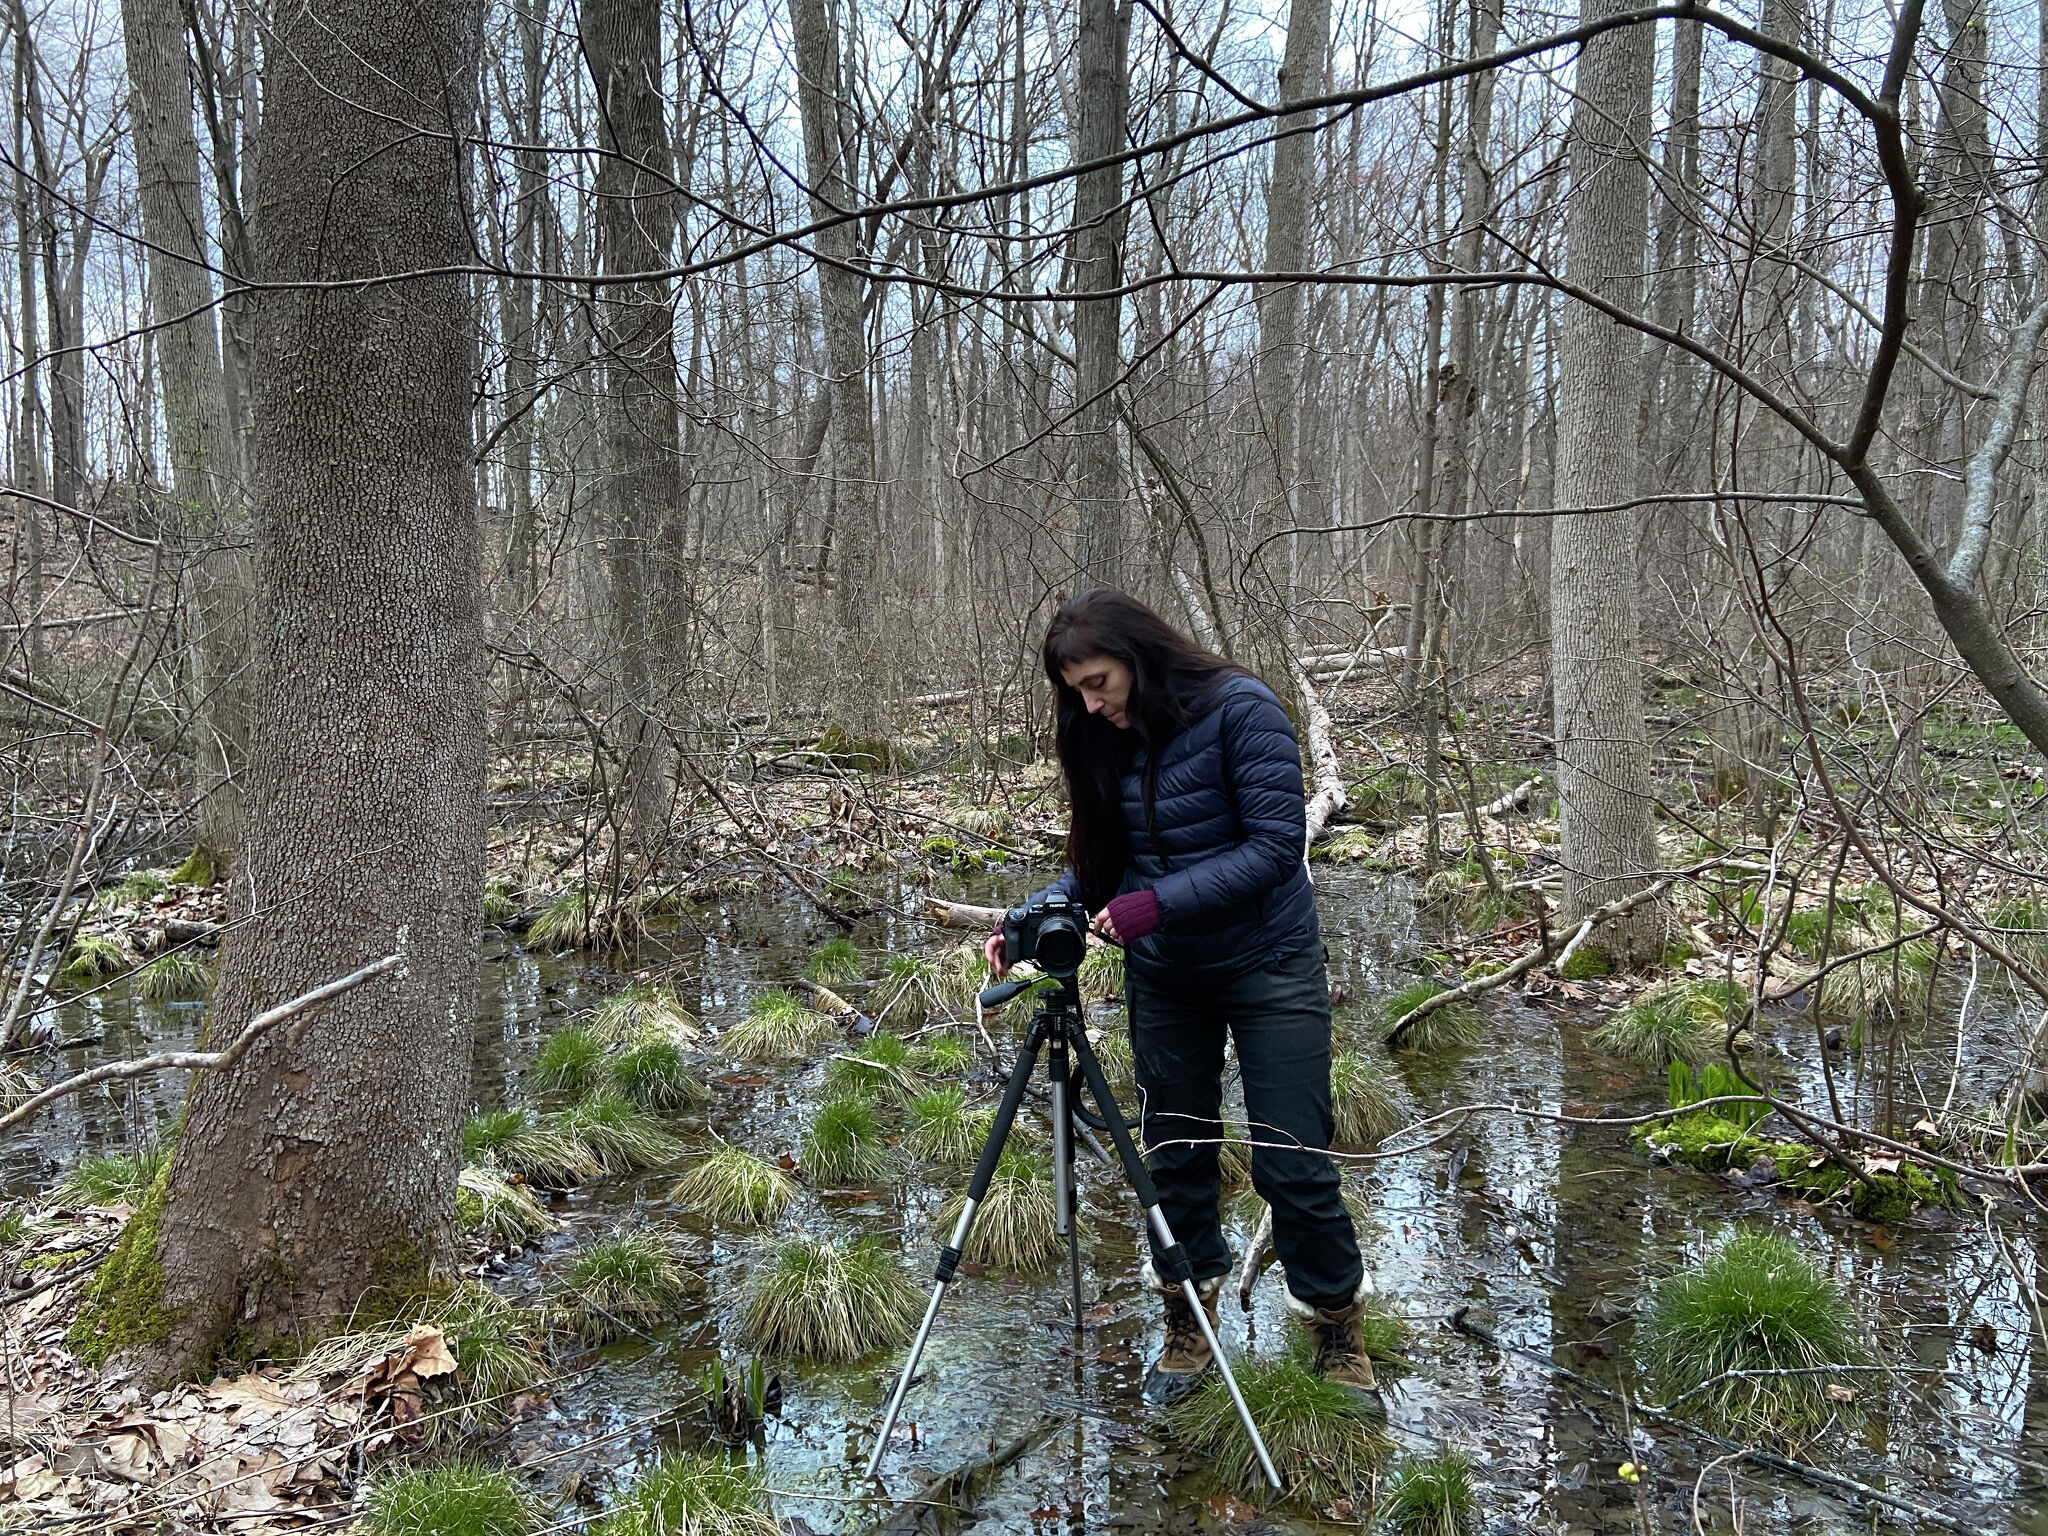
324 1163
215 573
1608 846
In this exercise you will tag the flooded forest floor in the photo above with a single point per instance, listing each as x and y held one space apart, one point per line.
811 870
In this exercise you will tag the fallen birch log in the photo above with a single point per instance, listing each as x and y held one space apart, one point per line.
1516 799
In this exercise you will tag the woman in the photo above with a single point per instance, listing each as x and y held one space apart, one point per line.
1186 843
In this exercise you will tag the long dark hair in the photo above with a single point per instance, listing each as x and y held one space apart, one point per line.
1169 674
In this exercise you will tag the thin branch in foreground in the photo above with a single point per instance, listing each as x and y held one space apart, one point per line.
201 1061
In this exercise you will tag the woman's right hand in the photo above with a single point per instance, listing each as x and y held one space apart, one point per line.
992 951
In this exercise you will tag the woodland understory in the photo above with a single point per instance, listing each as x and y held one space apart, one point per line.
529 528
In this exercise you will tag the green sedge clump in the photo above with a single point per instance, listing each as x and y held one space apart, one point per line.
458 1498
1431 1496
733 1184
834 964
644 1012
943 1131
619 1134
1715 1334
908 991
831 1301
1324 1441
777 1028
1363 1102
1450 1027
880 1067
1684 1021
694 1493
628 1281
111 1178
569 1061
653 1074
845 1145
1015 1227
176 978
496 1212
547 1152
946 1054
92 957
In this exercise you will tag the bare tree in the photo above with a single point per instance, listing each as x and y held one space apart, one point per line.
324 1163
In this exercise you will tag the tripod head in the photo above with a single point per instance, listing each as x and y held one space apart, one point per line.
1063 994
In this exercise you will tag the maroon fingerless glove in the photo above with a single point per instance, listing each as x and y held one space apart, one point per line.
1134 915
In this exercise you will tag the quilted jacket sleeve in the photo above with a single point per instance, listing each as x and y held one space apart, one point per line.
1265 776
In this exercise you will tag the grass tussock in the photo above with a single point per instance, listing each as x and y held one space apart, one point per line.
1112 1044
499 1348
1431 1496
1234 1158
1321 1438
110 1178
653 1074
1684 1021
643 1012
92 957
834 964
1013 1227
944 1132
619 1134
777 1028
1363 1101
547 1152
137 890
733 1184
693 1493
1102 971
571 1060
908 991
1755 1304
180 978
1451 1027
947 1054
496 1212
625 1283
1893 982
844 1144
458 1498
879 1068
832 1301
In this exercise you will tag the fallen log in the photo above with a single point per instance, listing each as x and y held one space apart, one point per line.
1516 799
1328 797
1543 954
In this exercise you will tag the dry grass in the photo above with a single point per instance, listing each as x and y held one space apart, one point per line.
832 1301
1363 1101
1014 1226
628 1281
497 1212
733 1184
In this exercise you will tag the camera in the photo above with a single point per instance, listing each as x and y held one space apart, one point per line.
1050 930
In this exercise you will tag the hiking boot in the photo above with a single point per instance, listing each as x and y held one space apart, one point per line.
1187 1354
1339 1342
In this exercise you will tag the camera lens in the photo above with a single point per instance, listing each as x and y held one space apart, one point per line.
1061 946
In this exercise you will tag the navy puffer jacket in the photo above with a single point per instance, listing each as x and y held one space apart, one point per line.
1226 863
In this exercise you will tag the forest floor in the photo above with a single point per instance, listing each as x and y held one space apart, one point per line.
286 1445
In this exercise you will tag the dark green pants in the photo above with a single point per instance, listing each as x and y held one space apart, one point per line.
1280 1021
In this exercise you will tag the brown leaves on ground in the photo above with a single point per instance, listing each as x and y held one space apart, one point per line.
262 1451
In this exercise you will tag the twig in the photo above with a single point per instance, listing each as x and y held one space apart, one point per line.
201 1061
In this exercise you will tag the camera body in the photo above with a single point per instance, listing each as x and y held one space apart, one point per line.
1050 930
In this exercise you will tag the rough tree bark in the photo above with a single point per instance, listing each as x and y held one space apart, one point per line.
1608 846
1102 82
855 502
324 1163
214 580
643 488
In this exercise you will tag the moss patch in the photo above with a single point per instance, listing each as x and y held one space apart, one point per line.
124 1303
1585 964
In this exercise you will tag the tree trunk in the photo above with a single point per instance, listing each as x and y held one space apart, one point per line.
215 577
643 452
1608 846
324 1163
1101 66
830 168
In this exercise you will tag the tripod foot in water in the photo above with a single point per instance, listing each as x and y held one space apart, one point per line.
1339 1340
1186 1359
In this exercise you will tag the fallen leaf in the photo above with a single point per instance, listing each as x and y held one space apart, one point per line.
1226 1506
1837 1393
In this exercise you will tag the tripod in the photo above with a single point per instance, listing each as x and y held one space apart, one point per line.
1056 1029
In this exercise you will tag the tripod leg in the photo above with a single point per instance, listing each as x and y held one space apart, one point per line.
949 1256
1066 1198
1168 1257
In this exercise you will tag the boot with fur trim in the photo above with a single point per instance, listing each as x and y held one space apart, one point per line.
1187 1354
1340 1346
